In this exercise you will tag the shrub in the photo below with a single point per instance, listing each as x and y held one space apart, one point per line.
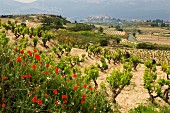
117 40
30 85
104 43
118 80
144 45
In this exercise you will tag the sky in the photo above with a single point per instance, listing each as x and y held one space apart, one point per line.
79 9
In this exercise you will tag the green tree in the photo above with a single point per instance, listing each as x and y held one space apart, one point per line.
35 41
117 40
44 40
92 73
118 80
31 32
101 29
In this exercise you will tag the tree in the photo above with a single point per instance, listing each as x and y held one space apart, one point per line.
101 29
92 73
163 25
16 32
155 85
139 31
44 40
117 40
118 28
135 61
35 40
104 64
118 80
31 32
104 43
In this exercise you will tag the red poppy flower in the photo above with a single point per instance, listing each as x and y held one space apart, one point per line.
29 76
56 102
21 51
34 67
29 52
39 102
56 70
18 59
24 76
3 105
46 73
94 107
3 78
83 96
90 88
74 76
65 101
46 95
35 50
68 80
82 101
47 65
85 85
55 92
64 96
75 88
10 60
35 89
37 57
34 99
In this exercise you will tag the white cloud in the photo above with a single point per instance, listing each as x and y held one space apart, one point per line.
25 1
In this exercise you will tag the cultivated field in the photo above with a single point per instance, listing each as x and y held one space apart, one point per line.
54 71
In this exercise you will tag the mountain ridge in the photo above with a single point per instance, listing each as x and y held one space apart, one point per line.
79 9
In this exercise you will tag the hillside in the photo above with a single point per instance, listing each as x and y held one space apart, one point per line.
63 70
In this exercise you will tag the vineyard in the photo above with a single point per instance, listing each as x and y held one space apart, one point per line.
62 71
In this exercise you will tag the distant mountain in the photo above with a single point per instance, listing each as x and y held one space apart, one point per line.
79 9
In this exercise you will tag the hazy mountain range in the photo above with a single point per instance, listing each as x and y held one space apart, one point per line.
79 9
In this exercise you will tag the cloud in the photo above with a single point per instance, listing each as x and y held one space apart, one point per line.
25 1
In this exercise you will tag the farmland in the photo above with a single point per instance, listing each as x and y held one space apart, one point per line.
52 67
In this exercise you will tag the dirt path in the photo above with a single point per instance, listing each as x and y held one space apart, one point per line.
134 94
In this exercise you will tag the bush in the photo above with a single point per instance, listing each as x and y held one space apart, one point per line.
33 82
144 45
117 40
104 43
